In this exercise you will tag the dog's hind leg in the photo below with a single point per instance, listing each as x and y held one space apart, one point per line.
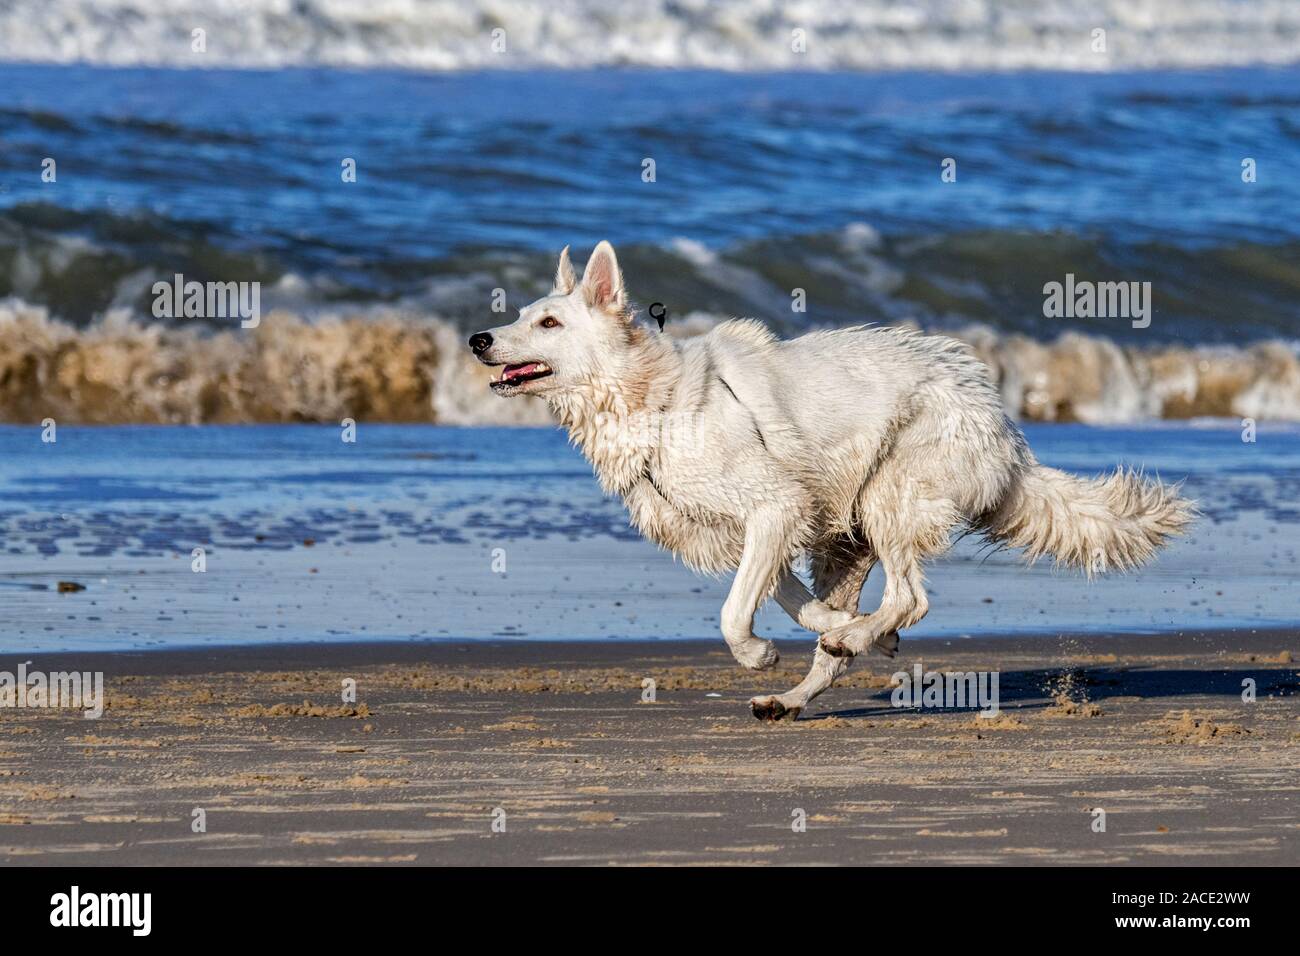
904 602
838 577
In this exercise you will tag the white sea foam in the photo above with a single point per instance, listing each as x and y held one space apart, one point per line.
388 364
742 35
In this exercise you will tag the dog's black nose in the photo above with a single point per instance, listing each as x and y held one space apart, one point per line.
480 342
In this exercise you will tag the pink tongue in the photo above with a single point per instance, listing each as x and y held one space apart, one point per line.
520 370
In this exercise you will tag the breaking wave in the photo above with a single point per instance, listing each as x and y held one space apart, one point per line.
741 35
84 264
384 364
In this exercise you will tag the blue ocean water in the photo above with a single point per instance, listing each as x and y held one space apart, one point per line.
427 533
762 181
471 179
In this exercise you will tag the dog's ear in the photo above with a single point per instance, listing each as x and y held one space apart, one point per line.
602 283
565 280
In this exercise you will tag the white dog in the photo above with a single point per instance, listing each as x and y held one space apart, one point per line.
736 450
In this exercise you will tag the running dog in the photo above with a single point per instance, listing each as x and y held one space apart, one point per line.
739 451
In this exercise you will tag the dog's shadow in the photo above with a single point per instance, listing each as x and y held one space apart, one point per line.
1029 690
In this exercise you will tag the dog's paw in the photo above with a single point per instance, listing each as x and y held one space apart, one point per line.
771 708
756 654
835 645
822 619
886 644
848 640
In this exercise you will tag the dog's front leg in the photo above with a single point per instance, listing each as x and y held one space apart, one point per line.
767 535
797 601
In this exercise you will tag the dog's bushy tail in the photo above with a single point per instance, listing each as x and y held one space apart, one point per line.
1113 523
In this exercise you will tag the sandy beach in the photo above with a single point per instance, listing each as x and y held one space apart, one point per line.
554 744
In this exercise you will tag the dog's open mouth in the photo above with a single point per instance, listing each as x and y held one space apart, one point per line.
523 372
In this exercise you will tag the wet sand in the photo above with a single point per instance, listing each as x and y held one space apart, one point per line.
553 738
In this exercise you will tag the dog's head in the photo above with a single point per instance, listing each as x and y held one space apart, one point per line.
563 339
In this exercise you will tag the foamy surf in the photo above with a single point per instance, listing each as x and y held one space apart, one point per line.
392 366
740 35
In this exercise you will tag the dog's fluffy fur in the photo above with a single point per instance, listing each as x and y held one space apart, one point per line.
739 451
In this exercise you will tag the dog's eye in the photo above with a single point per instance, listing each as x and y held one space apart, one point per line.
550 322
